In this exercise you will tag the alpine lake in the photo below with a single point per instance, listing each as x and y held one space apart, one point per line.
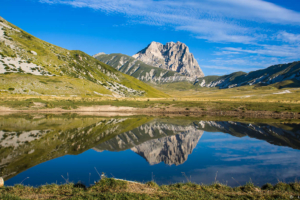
38 149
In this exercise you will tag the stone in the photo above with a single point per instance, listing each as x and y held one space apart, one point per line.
1 182
171 56
34 53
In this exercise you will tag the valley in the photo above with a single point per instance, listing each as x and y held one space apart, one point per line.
38 76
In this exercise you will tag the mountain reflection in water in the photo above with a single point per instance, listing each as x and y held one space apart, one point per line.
235 151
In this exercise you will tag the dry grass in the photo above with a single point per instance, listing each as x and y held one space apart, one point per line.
116 189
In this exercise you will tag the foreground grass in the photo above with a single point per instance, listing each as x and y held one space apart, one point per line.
115 189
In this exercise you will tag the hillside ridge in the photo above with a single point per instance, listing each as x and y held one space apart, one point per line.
271 75
32 60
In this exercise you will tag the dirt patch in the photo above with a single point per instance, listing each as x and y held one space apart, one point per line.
38 105
41 196
140 188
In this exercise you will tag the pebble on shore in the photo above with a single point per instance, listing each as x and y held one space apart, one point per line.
1 182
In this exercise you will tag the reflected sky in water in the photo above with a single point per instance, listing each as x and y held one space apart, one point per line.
202 155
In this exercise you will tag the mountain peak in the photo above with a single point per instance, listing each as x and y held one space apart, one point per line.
98 54
171 56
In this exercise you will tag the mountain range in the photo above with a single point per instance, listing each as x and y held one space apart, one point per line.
157 63
30 66
173 62
287 74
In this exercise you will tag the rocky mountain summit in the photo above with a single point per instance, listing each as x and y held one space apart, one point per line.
140 70
171 56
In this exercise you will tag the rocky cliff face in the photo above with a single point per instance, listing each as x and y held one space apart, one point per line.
171 56
141 70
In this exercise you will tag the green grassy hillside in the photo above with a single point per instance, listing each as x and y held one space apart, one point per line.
22 53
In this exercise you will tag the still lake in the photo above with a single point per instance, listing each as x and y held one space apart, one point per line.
39 149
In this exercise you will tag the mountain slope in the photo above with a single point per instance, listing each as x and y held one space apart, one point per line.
270 75
141 70
22 53
171 56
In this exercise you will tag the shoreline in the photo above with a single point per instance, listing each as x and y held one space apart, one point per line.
176 111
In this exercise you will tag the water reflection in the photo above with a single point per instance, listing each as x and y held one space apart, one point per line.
232 151
157 142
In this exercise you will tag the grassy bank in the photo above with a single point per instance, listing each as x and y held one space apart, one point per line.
115 189
161 105
274 92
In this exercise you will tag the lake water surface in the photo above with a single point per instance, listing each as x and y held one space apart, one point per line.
40 149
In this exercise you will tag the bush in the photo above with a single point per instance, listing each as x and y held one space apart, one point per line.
106 184
49 105
11 89
282 187
267 186
152 184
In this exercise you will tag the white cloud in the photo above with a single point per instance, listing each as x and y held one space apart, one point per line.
228 69
249 63
287 51
288 37
212 20
246 9
257 10
257 25
220 67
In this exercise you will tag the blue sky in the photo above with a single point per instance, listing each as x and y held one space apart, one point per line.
224 35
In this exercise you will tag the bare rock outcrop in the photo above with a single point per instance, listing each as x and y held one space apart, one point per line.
171 56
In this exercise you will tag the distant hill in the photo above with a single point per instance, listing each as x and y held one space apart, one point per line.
141 70
284 75
31 66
